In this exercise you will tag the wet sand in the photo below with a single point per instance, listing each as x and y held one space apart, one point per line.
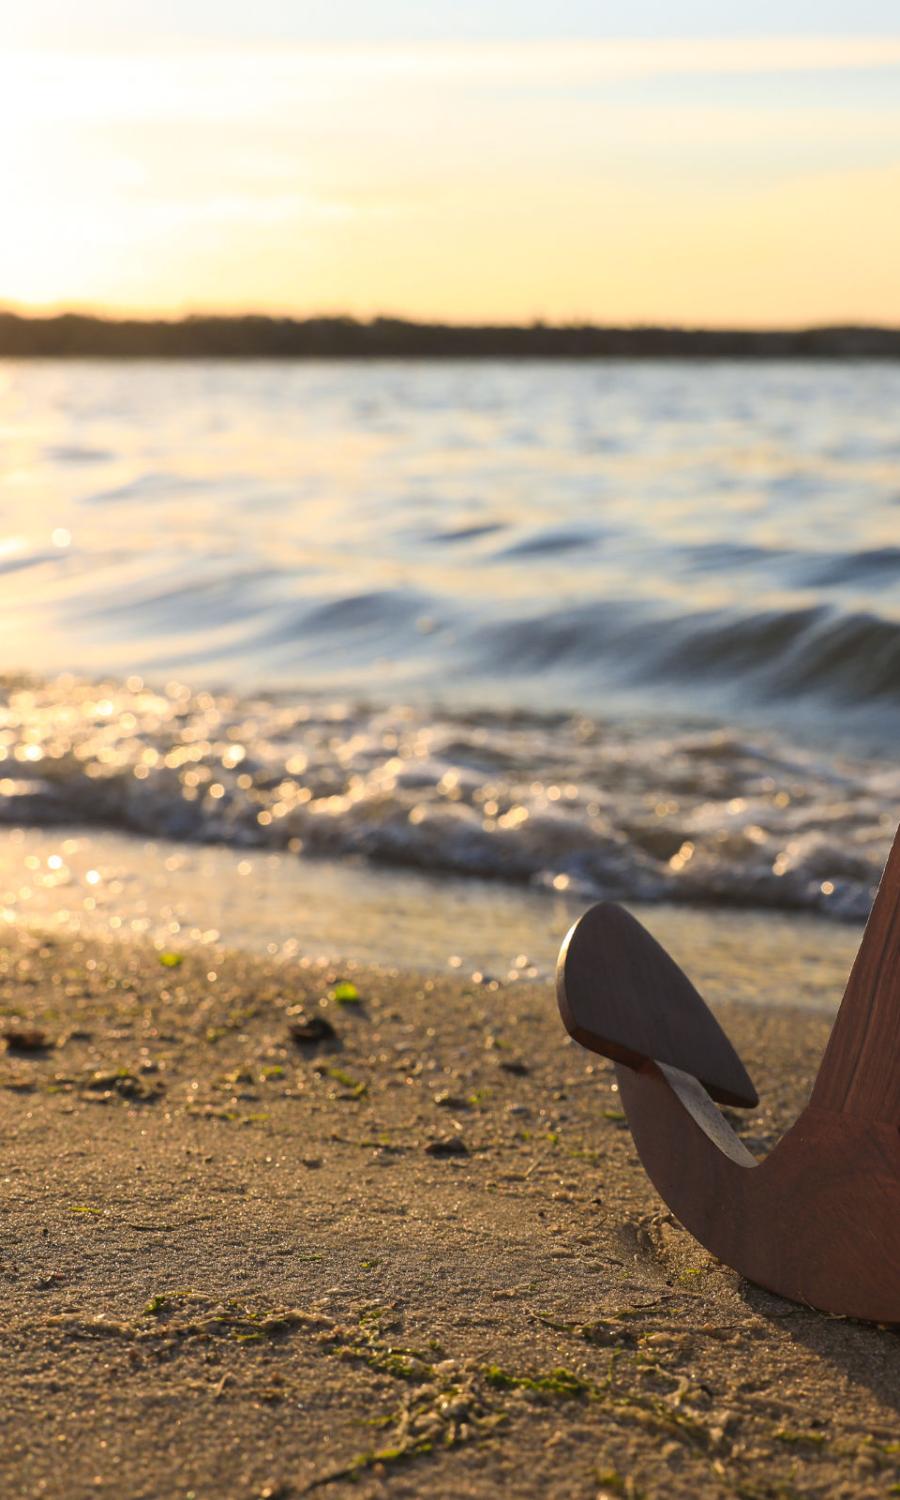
418 1258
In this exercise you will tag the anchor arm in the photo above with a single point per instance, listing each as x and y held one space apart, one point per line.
817 1220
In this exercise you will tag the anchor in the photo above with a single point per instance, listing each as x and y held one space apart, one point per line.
818 1220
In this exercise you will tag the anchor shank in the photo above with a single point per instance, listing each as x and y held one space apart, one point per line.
860 1072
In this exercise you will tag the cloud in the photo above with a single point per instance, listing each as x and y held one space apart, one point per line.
190 82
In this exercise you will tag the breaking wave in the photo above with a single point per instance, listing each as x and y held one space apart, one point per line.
624 810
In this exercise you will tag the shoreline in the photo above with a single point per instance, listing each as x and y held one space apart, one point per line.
78 882
419 1257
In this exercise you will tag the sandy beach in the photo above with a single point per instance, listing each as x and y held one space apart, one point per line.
418 1256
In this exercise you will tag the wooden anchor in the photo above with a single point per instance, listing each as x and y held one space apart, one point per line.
818 1220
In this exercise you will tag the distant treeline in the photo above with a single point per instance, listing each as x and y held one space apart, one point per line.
74 335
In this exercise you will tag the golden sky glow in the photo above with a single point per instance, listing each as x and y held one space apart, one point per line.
745 181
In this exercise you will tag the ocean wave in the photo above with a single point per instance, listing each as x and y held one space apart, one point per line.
565 802
875 567
809 654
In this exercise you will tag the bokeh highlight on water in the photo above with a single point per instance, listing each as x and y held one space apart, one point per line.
629 629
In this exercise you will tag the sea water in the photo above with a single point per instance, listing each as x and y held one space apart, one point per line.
620 629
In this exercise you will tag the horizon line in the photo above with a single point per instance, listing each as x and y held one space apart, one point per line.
364 320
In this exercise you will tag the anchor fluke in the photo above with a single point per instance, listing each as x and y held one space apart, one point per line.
620 994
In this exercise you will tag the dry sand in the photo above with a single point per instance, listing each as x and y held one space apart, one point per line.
232 1267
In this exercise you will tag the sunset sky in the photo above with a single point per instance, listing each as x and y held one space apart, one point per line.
617 162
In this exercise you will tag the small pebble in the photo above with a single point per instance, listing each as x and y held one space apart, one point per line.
26 1039
309 1029
454 1145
